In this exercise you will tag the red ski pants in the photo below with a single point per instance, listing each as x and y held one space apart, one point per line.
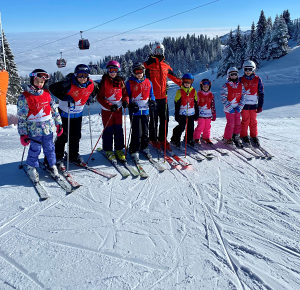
249 120
233 125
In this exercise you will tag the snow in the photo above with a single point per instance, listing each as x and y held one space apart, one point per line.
221 224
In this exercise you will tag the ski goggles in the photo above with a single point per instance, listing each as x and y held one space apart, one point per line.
113 69
82 75
205 83
187 81
248 69
233 74
41 75
138 71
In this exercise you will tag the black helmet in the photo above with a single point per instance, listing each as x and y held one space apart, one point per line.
138 65
82 68
38 72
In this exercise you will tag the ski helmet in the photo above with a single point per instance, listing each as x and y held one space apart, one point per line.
82 68
113 63
205 82
232 69
249 64
138 66
157 48
188 76
40 73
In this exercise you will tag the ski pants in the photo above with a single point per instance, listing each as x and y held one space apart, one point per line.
161 113
139 133
177 131
249 120
204 125
74 138
36 145
233 125
113 131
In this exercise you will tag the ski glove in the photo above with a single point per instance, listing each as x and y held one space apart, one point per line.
24 140
69 99
124 104
59 130
214 117
89 101
134 107
152 105
113 108
259 110
237 109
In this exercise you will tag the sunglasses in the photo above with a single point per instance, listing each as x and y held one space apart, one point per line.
188 81
82 75
43 76
138 71
248 69
234 74
205 83
113 69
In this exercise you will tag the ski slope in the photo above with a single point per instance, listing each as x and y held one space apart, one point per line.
227 223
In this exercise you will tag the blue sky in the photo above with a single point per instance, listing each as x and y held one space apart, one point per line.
29 15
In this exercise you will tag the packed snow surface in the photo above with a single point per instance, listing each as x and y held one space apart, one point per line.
227 223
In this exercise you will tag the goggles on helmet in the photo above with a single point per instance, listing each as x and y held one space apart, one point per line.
41 75
248 69
82 75
112 69
205 83
233 74
138 71
189 81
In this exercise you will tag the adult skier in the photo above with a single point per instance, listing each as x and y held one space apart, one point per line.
157 71
73 93
254 102
38 120
112 96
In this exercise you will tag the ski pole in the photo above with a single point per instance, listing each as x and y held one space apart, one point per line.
124 120
130 131
186 124
165 145
68 158
100 137
91 137
21 164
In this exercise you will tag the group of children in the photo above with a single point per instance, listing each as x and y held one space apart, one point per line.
38 115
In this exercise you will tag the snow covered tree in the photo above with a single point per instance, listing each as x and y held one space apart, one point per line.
228 57
264 53
14 87
239 48
279 38
261 29
287 18
250 50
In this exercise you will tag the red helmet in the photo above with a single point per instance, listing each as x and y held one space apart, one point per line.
113 63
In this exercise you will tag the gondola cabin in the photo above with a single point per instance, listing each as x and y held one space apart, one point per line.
61 63
83 44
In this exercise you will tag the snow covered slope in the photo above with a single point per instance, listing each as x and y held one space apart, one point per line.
227 223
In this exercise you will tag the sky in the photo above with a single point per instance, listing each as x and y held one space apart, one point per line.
31 16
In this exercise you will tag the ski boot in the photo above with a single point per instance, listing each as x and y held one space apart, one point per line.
146 152
135 157
191 143
60 165
255 141
228 141
155 144
120 155
175 143
162 145
78 160
237 141
207 141
110 155
246 140
32 173
54 171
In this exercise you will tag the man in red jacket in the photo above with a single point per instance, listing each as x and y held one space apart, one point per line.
158 70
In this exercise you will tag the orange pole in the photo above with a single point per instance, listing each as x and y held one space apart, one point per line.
3 92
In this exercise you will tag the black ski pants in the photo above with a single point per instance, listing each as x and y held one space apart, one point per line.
74 138
177 131
161 113
139 133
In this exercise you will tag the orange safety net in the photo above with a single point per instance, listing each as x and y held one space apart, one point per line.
3 90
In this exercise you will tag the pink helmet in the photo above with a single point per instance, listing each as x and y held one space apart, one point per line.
113 63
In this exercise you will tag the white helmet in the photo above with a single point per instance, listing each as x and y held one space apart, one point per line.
157 48
232 69
250 63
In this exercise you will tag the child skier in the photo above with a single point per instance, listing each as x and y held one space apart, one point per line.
37 119
207 112
253 104
186 110
112 96
233 99
73 93
141 100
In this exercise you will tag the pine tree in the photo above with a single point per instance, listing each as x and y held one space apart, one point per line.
14 87
250 50
261 29
239 49
279 39
264 53
287 18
